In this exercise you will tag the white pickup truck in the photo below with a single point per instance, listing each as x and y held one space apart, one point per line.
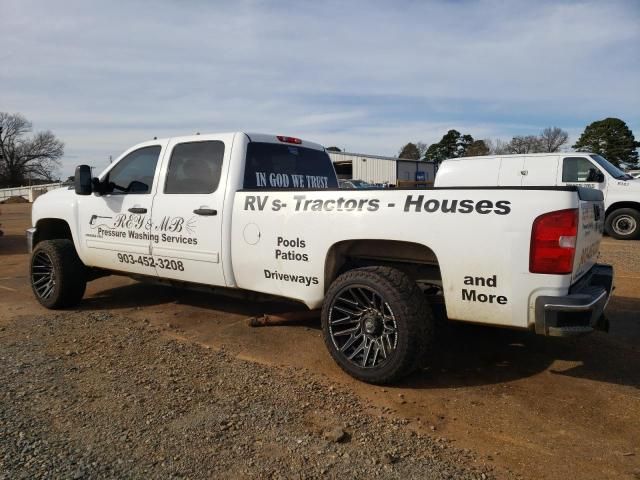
621 191
263 213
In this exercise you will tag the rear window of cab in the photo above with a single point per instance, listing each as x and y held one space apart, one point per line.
271 165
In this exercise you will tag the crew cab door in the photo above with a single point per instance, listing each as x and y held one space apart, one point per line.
187 210
115 226
582 172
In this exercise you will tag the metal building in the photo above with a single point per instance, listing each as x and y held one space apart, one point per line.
387 170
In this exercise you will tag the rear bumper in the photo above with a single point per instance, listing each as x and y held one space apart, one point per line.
30 233
579 312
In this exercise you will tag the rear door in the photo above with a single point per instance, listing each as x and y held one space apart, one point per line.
188 208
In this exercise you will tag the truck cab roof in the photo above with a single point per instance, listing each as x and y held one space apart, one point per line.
253 137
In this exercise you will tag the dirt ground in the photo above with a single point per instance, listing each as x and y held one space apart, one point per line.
525 406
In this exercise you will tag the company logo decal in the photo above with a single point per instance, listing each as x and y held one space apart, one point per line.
135 226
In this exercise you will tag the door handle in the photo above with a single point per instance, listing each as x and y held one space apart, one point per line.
138 210
205 211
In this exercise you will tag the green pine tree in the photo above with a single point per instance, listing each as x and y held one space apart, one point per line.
410 151
610 138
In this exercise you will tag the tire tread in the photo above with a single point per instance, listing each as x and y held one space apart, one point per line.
407 297
70 274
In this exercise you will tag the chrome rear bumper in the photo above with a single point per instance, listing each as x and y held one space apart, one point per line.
579 312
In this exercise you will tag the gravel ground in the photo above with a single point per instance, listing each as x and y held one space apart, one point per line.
623 255
95 395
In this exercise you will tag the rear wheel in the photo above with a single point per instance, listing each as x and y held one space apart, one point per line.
623 224
57 274
377 324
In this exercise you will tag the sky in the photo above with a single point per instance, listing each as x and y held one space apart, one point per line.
366 76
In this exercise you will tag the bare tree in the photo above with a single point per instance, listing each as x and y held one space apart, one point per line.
497 147
477 148
552 138
422 148
24 157
525 144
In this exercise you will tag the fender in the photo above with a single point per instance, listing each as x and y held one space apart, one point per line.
61 205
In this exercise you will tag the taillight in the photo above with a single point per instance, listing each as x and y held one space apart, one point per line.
553 242
297 141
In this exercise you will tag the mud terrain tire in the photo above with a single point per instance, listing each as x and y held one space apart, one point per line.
377 324
57 275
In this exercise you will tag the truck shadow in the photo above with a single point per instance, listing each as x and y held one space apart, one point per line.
149 294
470 355
466 355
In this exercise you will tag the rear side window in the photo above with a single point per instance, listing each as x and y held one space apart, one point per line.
134 173
270 165
578 169
195 167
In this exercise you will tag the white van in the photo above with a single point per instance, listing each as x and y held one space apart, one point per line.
621 191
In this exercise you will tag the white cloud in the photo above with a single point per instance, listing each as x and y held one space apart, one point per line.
368 75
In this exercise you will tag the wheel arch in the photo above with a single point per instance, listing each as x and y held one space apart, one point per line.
624 204
52 229
413 258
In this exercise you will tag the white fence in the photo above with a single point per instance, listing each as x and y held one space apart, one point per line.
29 193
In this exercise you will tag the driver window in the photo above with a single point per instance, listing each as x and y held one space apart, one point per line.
135 172
578 169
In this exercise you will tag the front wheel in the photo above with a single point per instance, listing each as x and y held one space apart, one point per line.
623 224
57 274
377 324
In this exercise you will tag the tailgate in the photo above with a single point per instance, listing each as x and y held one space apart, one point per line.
590 228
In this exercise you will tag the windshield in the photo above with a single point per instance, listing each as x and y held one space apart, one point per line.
611 169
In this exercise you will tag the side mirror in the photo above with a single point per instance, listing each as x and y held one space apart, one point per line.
99 188
599 177
137 187
82 180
